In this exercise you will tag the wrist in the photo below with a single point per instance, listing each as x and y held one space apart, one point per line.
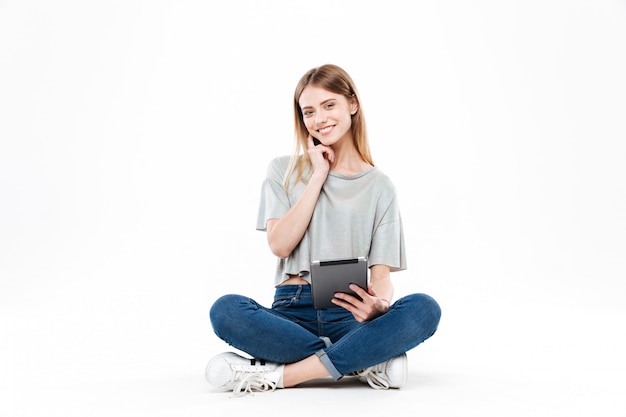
319 176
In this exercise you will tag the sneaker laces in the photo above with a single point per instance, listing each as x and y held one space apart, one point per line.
376 376
252 382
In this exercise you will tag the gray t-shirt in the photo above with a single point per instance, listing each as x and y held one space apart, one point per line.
354 216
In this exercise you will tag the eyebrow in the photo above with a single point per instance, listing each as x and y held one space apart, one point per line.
322 103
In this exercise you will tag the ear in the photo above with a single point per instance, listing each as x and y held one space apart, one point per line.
354 106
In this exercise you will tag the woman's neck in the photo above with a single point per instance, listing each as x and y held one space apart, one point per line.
347 161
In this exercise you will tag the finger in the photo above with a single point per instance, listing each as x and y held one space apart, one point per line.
312 142
360 291
330 154
348 298
345 304
358 314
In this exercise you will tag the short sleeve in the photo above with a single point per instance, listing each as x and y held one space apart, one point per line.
388 239
274 202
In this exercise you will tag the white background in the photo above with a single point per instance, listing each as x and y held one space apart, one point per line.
134 137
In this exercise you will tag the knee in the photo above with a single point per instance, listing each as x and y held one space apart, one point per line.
225 309
427 310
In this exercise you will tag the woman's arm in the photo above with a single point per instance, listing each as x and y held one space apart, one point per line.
380 278
284 234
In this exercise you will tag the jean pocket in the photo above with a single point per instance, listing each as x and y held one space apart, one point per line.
284 301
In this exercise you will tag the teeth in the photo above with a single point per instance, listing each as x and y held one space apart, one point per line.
326 129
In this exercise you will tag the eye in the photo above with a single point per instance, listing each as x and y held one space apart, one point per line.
307 113
329 105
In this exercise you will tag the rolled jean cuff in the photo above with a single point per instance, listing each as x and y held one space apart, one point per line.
329 365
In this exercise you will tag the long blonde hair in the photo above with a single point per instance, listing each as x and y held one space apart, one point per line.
336 80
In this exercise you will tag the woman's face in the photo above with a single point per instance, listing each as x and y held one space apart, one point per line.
327 116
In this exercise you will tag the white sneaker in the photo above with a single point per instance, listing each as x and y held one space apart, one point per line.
389 374
229 371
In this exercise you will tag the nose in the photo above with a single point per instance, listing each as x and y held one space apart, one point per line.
320 118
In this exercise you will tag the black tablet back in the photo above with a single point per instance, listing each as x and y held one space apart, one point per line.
335 275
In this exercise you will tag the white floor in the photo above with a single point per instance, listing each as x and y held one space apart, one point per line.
88 351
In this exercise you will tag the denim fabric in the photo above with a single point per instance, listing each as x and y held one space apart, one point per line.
293 329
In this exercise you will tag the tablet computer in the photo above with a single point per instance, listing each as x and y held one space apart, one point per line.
335 275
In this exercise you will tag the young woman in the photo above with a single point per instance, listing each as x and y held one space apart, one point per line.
326 201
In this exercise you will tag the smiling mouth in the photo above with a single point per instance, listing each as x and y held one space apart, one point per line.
325 130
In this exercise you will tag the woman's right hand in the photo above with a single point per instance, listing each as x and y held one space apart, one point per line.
285 233
321 157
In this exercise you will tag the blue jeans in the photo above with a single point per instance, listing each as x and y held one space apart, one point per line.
293 329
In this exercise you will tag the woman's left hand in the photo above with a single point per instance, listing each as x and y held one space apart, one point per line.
368 308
